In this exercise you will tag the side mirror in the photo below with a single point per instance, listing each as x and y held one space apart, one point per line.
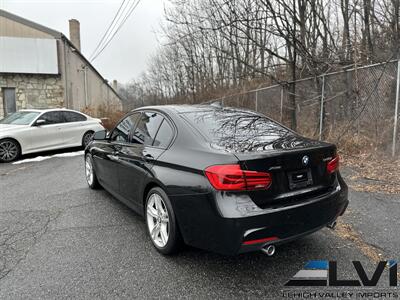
40 122
100 135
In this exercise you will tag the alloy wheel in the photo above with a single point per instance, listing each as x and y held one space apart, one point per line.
8 150
87 138
89 170
158 220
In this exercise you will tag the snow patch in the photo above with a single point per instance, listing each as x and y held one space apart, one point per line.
69 154
42 158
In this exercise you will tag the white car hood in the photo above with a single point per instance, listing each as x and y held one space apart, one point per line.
6 129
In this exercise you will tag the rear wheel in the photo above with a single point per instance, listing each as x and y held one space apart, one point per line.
9 150
91 178
87 138
161 222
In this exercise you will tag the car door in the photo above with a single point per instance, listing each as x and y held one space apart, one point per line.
73 128
106 156
47 135
137 158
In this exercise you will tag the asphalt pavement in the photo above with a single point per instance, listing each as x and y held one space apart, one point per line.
59 239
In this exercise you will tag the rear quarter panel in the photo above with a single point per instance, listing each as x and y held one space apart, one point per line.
74 131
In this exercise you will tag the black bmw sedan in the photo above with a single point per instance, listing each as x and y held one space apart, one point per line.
222 179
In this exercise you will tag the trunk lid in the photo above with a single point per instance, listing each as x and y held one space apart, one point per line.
298 171
261 144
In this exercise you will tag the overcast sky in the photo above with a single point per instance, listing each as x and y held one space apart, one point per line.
126 56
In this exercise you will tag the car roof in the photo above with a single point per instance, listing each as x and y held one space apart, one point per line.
49 109
186 108
31 110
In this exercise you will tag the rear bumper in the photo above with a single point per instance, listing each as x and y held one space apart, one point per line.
203 225
299 223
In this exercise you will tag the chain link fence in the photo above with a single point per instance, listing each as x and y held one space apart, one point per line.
358 107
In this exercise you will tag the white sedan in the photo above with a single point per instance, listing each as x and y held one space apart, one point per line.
28 131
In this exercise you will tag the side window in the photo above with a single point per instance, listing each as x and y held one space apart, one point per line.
52 117
123 129
147 128
164 135
70 116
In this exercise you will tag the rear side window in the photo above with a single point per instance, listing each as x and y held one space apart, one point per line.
164 135
235 130
70 116
52 117
122 131
147 128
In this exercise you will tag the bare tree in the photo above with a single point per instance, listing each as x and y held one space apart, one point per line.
211 47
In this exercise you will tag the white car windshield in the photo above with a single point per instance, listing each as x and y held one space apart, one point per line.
20 118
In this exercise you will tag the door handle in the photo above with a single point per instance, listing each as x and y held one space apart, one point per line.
113 157
148 157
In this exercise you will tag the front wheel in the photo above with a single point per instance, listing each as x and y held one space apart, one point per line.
9 150
91 177
87 138
161 222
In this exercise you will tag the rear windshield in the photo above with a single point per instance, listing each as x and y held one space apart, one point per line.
237 131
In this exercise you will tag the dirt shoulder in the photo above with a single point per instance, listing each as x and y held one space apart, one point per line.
372 173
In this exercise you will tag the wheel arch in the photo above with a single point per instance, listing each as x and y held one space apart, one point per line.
86 131
154 184
146 190
15 140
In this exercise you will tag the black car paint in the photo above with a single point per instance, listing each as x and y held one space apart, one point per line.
210 219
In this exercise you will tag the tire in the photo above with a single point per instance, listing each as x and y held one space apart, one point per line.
87 138
90 174
166 239
10 150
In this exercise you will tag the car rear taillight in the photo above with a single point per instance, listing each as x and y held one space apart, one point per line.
233 178
333 165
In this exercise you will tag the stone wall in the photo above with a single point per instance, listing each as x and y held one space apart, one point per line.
33 91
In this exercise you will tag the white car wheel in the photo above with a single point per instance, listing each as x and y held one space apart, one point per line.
9 150
87 138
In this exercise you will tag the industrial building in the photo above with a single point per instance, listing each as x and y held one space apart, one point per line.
42 68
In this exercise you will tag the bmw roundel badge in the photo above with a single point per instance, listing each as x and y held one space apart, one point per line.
305 160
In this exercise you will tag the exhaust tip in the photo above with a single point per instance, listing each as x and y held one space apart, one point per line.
269 250
332 225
